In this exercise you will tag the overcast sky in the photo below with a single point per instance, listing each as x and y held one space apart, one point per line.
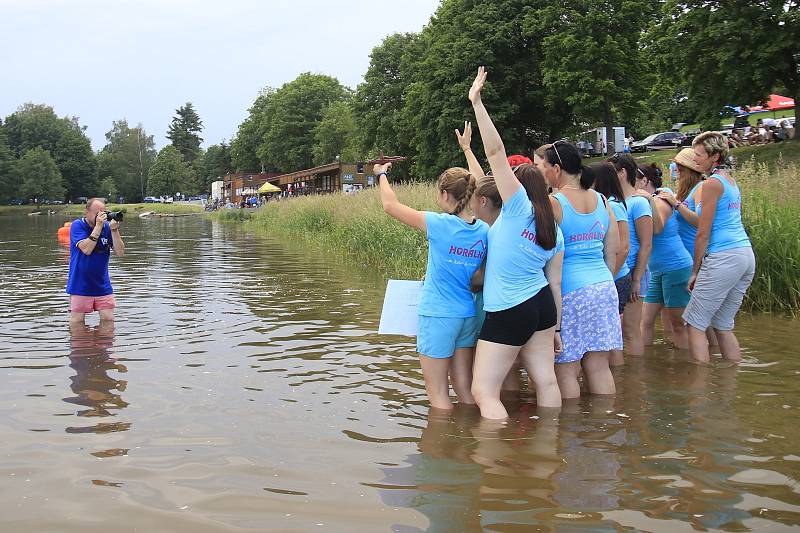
103 60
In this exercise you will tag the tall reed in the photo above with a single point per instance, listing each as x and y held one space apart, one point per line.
771 215
356 226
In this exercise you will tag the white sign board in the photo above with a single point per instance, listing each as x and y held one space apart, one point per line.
400 306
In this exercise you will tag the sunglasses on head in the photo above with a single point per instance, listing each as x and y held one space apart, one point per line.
555 149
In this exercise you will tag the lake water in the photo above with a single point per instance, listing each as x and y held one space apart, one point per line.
244 387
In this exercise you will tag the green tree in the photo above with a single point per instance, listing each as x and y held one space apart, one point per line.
335 134
379 101
244 147
32 126
168 174
184 132
215 163
462 35
730 52
126 158
108 189
294 111
8 182
592 58
39 176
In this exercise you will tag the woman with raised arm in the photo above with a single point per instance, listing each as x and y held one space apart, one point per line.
522 289
640 226
607 184
456 249
590 325
724 264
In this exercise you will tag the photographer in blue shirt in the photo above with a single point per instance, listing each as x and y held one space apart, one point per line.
91 240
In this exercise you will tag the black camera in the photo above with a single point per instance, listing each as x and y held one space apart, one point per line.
114 215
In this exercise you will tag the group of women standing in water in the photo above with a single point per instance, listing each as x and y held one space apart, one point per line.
557 266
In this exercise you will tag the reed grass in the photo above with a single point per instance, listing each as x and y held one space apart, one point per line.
357 227
771 215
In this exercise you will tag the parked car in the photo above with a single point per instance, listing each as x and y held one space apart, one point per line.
151 200
658 141
689 136
16 201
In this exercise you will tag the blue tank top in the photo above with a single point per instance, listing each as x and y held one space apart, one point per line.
584 262
686 231
621 212
727 230
455 251
514 267
668 251
637 207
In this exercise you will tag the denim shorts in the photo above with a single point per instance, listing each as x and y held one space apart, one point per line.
669 288
624 285
439 337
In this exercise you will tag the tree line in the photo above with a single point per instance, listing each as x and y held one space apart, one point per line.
44 157
559 68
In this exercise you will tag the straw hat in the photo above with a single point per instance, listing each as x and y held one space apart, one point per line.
686 158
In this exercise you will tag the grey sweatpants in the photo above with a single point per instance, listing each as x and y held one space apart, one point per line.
719 289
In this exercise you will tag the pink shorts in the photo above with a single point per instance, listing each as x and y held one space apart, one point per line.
87 304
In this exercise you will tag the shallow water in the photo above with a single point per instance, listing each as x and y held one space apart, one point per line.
243 386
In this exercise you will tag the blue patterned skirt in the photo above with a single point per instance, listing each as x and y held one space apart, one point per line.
590 321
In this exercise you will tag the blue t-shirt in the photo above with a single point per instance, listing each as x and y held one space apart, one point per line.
455 251
88 274
638 207
687 231
515 266
584 261
668 251
621 213
727 230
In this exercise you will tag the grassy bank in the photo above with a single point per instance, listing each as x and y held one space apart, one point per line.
128 209
356 226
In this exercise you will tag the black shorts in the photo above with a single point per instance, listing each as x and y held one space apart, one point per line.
624 286
514 326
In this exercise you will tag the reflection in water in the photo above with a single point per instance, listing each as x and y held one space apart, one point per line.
93 387
271 404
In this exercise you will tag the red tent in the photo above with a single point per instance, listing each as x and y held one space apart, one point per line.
777 102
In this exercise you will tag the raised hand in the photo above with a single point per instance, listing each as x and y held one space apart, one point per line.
477 86
379 169
465 139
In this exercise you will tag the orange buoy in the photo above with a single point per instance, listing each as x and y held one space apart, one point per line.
63 231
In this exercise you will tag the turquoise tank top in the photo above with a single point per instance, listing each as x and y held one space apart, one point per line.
584 262
668 251
727 230
686 231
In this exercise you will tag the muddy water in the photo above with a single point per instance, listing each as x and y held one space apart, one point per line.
243 387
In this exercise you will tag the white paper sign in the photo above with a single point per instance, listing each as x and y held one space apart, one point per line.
400 306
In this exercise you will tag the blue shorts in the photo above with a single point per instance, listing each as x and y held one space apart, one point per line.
439 337
669 288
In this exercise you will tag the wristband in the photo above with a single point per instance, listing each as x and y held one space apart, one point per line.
383 174
92 238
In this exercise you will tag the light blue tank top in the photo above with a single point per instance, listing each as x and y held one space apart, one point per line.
515 264
727 230
584 263
668 251
637 207
621 212
686 231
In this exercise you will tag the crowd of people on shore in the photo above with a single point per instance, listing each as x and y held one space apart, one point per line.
765 131
563 269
